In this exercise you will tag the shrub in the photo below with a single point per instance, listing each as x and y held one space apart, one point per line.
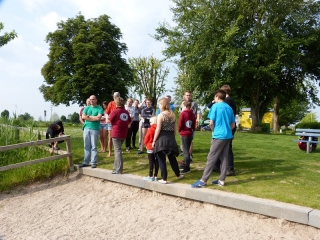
311 125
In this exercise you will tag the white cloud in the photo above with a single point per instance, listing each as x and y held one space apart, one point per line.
50 21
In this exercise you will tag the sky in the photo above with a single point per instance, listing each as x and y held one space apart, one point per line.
21 59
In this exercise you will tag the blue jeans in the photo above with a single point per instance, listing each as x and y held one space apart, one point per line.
90 139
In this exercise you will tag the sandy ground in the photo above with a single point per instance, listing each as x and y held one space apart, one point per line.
82 207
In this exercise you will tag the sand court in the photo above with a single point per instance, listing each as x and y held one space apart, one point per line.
82 207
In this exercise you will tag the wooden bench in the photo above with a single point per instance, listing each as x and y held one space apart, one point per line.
310 133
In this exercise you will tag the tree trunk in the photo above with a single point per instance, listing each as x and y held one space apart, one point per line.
276 114
254 117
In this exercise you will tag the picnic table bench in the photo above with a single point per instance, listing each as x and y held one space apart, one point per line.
311 134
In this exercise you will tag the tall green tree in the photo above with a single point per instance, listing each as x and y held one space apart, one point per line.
262 49
85 58
7 37
149 76
74 118
5 114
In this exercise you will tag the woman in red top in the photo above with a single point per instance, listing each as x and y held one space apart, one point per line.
120 121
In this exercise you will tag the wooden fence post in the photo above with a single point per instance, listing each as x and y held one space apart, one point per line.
70 160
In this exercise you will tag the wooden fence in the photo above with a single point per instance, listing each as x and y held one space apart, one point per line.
68 153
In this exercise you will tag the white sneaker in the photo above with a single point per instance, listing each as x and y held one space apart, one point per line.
149 179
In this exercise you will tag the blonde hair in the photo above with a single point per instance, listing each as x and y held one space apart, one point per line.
153 120
165 106
119 101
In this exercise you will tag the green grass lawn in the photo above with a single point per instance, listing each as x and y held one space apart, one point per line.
268 166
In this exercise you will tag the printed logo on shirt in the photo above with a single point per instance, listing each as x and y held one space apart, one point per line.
124 117
188 124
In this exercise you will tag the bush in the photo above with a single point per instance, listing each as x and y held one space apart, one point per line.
311 125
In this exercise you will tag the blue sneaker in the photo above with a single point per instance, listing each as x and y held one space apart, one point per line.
149 179
198 184
217 182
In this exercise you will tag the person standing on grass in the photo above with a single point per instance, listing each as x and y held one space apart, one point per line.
186 126
221 122
194 107
81 111
120 121
164 142
111 107
135 122
153 162
103 130
131 111
229 100
146 114
92 115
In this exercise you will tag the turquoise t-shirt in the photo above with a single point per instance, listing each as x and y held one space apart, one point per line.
222 116
92 111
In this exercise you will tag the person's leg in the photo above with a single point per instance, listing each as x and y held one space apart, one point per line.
186 142
135 128
118 160
143 133
151 163
213 155
156 166
101 137
230 165
87 146
105 139
224 161
140 133
161 157
128 139
94 135
109 141
174 164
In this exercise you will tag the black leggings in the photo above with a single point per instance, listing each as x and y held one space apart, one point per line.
128 139
161 156
134 128
153 162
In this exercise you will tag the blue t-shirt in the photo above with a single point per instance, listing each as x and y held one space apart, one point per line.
222 116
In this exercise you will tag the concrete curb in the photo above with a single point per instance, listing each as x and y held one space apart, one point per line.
265 207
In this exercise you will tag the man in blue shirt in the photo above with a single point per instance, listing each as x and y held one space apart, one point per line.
221 122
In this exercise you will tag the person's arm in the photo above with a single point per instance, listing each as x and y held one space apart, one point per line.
158 129
180 123
233 125
211 124
209 105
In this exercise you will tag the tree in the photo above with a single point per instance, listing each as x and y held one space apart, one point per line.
25 117
149 76
85 59
63 118
75 118
309 117
7 37
54 117
262 49
5 114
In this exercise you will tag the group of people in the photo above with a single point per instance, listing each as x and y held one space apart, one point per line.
120 120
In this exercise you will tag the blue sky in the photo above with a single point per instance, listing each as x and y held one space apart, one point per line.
21 59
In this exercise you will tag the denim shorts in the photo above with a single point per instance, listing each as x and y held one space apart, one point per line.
103 126
109 126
